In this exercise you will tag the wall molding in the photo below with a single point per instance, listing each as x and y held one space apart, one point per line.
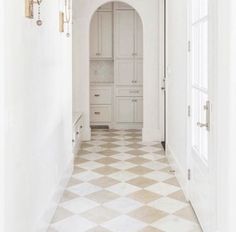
47 216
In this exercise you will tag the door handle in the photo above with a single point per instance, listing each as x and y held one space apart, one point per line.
96 95
207 124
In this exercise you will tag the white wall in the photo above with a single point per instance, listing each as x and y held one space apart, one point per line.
38 84
149 12
177 84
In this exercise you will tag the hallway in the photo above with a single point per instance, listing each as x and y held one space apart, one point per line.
121 184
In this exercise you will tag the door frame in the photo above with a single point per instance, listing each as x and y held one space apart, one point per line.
212 72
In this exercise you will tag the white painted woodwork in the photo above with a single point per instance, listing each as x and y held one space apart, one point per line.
124 110
94 36
100 113
101 35
106 34
101 95
138 37
124 33
129 92
138 72
106 7
124 72
138 110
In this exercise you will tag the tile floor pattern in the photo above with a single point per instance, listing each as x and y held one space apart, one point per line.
121 184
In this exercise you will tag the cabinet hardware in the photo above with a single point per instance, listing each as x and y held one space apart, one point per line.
73 140
81 127
77 132
97 113
97 95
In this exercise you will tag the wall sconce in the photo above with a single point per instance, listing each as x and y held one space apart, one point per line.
29 10
65 18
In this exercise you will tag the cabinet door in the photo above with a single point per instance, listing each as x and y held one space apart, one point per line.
138 37
106 35
94 35
124 72
139 72
124 33
124 110
138 110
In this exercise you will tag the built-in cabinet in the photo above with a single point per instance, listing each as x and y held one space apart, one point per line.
119 101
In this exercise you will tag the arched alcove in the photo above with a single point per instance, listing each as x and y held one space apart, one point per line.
149 12
116 67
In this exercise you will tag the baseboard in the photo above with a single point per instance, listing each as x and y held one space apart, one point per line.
46 218
151 135
180 173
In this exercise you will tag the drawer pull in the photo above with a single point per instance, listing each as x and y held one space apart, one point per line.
97 95
97 113
77 132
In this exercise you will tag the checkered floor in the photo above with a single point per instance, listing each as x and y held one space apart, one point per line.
121 184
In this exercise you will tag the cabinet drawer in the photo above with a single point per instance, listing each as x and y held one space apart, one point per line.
129 92
101 96
100 113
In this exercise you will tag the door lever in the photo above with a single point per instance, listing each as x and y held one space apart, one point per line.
207 124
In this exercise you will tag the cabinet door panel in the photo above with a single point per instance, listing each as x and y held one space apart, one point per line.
124 110
138 37
105 39
94 35
124 33
124 72
139 72
138 111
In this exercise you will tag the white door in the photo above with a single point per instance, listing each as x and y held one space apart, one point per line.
201 174
94 35
124 72
124 29
138 110
105 35
124 109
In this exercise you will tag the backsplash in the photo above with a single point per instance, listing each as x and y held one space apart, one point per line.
101 71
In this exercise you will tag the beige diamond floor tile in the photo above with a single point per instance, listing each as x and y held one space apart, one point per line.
107 160
122 165
138 160
144 196
134 146
78 170
104 182
106 170
108 152
79 160
67 196
172 181
187 213
100 214
109 145
179 195
102 196
136 152
139 170
141 182
122 156
73 181
147 214
61 214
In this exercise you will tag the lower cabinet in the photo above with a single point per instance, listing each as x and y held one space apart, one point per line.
100 113
129 109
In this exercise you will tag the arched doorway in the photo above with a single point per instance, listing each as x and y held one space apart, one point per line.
152 64
116 67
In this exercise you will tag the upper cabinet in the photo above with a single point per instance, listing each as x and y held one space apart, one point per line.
101 35
128 34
